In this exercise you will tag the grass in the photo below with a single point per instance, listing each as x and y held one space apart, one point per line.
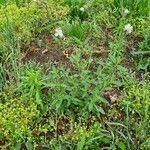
72 77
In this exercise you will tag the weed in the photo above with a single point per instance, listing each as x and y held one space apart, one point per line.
77 31
142 54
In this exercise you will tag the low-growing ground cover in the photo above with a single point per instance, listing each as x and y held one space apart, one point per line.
74 75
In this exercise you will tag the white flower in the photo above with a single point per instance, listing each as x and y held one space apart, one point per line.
82 9
59 33
125 12
128 28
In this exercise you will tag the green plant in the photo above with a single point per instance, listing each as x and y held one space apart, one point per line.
31 82
75 9
91 137
9 52
141 54
77 31
116 49
2 2
80 91
30 21
16 119
20 25
136 102
81 136
138 8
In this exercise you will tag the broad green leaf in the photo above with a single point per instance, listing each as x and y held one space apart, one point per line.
29 145
81 143
122 146
18 146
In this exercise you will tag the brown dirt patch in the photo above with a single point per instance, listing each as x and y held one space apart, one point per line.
51 53
48 52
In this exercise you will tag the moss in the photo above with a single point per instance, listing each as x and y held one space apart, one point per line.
16 120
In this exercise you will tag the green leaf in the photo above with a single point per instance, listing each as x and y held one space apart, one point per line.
101 110
81 143
141 53
29 145
122 146
18 146
90 106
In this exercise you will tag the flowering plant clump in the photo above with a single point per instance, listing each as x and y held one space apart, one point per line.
59 33
82 9
128 28
125 12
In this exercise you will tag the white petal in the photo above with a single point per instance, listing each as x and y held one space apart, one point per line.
82 9
60 32
56 34
61 35
126 11
57 29
128 28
